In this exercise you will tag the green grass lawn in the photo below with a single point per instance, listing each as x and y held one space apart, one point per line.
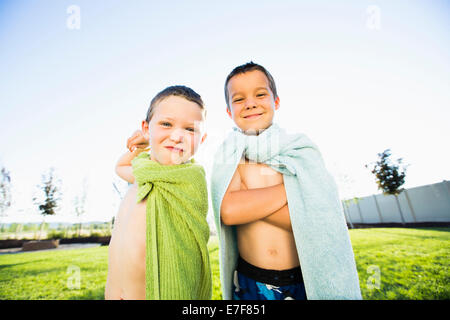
412 263
392 264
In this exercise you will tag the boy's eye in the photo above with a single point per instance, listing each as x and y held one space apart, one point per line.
166 124
260 94
190 129
238 100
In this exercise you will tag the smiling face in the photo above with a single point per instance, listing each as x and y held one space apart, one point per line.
251 101
175 130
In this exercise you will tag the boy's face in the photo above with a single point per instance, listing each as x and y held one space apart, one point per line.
251 102
175 130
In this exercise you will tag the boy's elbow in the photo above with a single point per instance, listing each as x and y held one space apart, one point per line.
125 173
226 215
224 218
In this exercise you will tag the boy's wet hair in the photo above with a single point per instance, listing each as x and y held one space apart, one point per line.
250 66
179 91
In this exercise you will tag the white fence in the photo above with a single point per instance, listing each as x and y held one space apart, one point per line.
429 203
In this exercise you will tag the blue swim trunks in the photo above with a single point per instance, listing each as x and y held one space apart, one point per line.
253 283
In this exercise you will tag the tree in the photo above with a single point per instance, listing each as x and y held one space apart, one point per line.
390 176
5 192
48 203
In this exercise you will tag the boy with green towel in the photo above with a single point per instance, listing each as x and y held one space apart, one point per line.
158 249
282 233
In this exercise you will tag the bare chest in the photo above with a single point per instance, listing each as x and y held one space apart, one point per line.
258 175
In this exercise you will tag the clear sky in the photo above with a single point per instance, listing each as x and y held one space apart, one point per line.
357 77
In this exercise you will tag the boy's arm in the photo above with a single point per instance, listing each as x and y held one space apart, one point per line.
244 206
136 144
123 166
280 218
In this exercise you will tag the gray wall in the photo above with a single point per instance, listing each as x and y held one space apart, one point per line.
429 203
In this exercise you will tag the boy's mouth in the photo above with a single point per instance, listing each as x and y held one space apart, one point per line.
253 116
174 149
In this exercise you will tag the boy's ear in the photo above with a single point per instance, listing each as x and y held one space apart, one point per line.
229 113
144 125
203 138
277 103
145 129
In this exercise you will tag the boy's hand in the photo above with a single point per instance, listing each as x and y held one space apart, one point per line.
139 140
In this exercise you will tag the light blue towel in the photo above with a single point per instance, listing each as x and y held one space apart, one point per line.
320 231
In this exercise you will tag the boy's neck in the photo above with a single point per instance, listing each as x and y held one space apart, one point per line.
253 132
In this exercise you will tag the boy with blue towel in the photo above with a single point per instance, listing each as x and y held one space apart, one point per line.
281 228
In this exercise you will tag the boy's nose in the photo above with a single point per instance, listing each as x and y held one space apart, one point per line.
176 136
250 103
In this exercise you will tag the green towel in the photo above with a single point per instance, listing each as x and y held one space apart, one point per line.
177 259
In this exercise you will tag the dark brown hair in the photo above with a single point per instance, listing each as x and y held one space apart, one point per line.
250 66
179 91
